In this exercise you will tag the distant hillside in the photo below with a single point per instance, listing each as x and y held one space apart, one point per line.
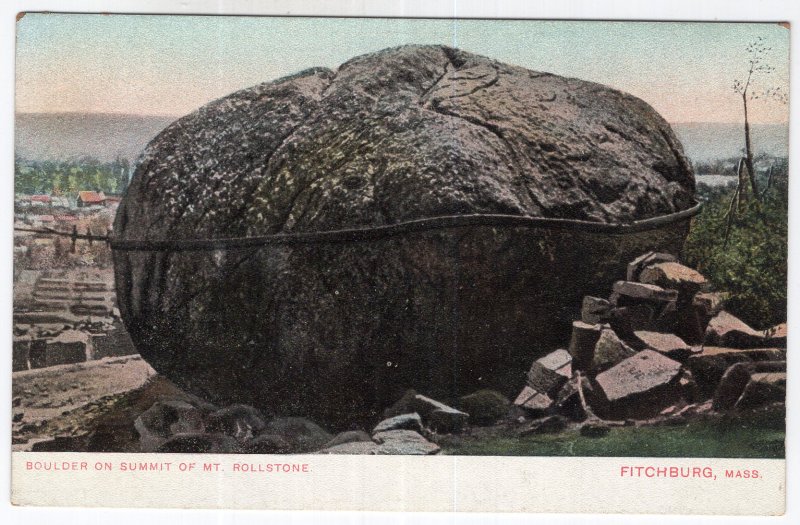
59 136
46 136
711 141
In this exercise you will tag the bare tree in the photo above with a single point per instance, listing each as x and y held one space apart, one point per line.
757 52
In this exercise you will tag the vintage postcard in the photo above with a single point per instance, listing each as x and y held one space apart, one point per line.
343 263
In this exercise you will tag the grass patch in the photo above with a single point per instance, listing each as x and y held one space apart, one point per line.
700 439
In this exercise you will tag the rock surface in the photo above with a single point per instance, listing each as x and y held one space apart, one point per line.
405 442
402 134
348 436
403 421
301 434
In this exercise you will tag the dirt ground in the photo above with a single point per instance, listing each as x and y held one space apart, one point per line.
62 400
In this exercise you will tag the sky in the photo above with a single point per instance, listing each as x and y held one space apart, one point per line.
171 65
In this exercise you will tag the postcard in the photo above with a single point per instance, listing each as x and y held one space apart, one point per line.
332 263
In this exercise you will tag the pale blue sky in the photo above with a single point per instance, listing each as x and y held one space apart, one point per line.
170 65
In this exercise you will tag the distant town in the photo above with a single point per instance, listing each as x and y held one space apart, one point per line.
64 301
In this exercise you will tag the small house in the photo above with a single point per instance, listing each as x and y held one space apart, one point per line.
90 198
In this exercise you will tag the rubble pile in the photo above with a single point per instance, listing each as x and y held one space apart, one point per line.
194 426
660 346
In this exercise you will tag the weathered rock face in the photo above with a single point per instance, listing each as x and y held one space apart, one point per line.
337 331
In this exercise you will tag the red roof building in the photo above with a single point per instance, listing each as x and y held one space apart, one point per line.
90 198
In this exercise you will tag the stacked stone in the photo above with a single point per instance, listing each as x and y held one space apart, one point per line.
660 345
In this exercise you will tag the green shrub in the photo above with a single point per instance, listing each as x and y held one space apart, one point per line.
752 266
484 407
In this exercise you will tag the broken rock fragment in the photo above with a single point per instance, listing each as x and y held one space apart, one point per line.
532 400
636 266
736 379
762 389
728 330
609 351
209 443
301 434
545 425
403 421
369 448
559 362
348 436
709 365
628 292
163 420
405 442
674 276
239 421
544 380
595 310
438 416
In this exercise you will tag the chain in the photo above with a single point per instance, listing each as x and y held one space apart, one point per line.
373 232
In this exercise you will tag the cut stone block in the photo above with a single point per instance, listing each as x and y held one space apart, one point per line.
674 276
627 291
627 319
641 386
637 265
728 330
532 400
582 343
595 310
670 345
559 362
609 351
544 380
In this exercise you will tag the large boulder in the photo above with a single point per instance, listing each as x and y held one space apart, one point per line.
338 330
